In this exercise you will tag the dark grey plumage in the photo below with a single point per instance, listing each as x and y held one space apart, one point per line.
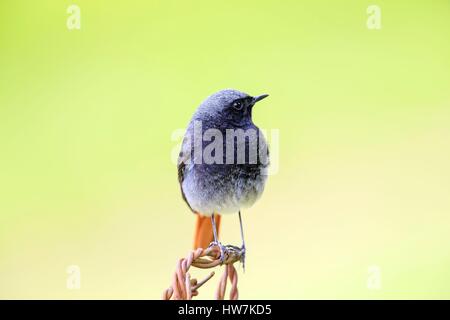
221 187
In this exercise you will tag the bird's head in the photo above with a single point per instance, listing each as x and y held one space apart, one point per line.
228 107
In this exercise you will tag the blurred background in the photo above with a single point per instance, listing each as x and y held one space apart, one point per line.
86 124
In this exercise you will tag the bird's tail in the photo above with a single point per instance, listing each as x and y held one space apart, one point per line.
204 231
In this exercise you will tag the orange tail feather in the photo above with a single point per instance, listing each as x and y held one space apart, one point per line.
204 231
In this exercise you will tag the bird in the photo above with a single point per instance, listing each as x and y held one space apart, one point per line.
219 174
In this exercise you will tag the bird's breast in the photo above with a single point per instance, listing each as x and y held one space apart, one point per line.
229 175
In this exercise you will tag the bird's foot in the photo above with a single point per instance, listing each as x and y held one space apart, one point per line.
243 251
223 250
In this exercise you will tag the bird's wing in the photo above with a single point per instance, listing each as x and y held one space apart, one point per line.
203 229
183 159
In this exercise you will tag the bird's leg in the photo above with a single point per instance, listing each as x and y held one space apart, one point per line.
216 240
243 241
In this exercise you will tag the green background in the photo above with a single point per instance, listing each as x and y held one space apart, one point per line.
86 118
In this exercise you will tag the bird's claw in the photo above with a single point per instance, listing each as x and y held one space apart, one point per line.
230 253
243 250
222 248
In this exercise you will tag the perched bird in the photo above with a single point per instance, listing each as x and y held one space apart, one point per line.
219 174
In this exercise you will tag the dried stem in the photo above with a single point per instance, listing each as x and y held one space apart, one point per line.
184 288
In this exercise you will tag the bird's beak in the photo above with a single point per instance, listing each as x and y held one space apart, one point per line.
259 98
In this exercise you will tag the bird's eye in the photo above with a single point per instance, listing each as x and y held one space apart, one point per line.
237 105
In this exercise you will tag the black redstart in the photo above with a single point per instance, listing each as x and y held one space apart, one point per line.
222 166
